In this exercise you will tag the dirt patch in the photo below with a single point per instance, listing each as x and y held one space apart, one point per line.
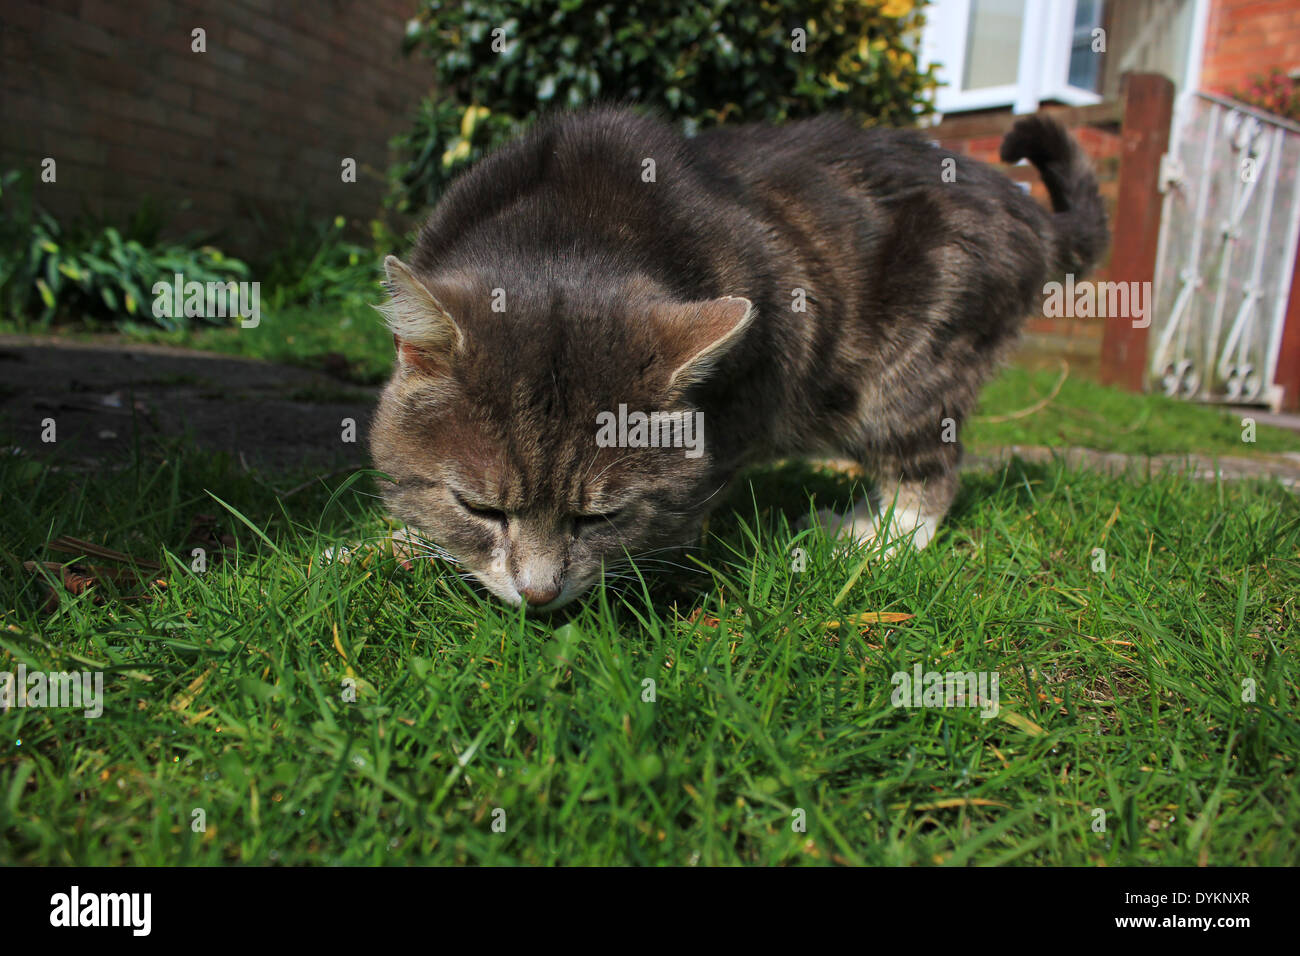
104 398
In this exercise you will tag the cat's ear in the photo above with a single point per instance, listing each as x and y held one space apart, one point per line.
696 335
423 330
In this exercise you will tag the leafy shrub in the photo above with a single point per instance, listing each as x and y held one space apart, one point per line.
90 271
498 63
314 263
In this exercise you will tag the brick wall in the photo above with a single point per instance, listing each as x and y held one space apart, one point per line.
1246 38
112 91
1097 130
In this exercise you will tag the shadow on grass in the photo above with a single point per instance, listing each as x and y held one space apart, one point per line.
154 503
772 500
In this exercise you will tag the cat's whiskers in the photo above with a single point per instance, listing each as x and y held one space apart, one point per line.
666 565
671 547
695 508
611 465
417 544
421 544
591 464
652 564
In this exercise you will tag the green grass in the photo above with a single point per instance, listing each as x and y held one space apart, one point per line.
297 335
294 335
1121 690
1085 414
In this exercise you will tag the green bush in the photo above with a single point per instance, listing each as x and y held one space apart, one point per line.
498 63
314 263
88 270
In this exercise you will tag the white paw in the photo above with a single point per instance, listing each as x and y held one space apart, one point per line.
856 525
863 526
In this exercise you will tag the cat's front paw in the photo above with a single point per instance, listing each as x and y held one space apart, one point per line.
864 527
849 528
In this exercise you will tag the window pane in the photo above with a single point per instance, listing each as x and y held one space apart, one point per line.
1085 66
993 43
1148 36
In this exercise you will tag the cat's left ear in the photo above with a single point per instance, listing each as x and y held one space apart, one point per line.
696 335
423 330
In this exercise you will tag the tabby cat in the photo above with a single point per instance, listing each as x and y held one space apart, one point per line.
604 320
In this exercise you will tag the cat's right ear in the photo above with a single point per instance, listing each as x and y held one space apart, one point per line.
694 336
424 332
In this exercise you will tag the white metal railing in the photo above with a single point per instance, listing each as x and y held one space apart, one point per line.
1229 229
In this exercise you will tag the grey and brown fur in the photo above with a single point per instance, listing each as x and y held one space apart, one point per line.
679 294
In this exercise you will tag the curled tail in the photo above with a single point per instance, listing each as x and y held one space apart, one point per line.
1080 220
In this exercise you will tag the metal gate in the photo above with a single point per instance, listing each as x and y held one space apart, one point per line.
1228 237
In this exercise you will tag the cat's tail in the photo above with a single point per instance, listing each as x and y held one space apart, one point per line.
1081 230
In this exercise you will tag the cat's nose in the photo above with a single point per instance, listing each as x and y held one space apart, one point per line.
540 595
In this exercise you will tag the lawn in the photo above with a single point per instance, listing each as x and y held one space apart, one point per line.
1062 409
733 709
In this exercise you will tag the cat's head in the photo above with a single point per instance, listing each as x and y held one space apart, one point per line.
513 426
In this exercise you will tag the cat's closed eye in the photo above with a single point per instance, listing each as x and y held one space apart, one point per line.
595 522
483 511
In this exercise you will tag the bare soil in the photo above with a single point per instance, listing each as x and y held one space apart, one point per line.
105 397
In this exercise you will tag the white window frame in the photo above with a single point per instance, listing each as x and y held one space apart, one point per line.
1043 70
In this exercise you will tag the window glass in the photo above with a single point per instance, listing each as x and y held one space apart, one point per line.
1085 66
993 43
